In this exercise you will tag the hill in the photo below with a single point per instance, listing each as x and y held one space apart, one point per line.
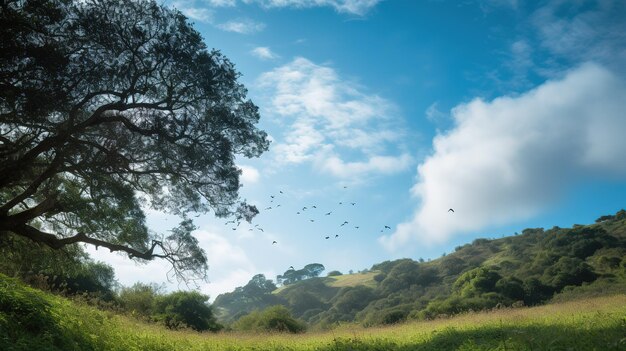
34 320
531 268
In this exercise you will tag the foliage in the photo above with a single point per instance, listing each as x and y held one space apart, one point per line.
69 271
309 271
108 105
526 269
182 309
596 323
139 299
271 319
334 274
255 295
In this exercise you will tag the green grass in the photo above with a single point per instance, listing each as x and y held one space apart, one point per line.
33 320
340 281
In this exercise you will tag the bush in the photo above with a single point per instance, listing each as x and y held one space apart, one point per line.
334 273
182 309
271 319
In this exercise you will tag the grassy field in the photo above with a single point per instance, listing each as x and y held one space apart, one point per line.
366 279
33 320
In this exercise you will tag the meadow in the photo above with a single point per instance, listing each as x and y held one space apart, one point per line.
34 320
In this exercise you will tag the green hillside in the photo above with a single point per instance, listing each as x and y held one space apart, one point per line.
527 269
33 320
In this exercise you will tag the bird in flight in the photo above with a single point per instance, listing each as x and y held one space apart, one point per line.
341 203
261 229
278 205
234 228
280 191
357 227
268 208
336 235
345 187
304 208
312 220
314 206
344 223
387 227
272 196
450 210
274 242
328 214
327 237
353 203
298 212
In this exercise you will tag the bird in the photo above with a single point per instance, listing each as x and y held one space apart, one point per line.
451 210
234 228
312 220
314 206
336 235
304 208
280 191
328 237
353 203
344 223
328 214
298 212
345 187
268 208
256 225
341 203
274 242
357 227
387 227
291 267
261 229
272 196
277 205
250 229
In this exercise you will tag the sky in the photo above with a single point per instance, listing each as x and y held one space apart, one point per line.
388 113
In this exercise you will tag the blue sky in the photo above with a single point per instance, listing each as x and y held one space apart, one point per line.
510 112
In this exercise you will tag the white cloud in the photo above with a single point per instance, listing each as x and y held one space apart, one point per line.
595 32
242 26
264 53
221 3
196 13
249 174
507 159
356 7
434 114
328 118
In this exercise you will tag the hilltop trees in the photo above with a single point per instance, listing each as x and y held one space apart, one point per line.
291 276
111 107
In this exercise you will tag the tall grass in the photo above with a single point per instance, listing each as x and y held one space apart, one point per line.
33 320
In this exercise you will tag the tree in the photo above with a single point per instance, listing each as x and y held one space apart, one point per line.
110 107
185 309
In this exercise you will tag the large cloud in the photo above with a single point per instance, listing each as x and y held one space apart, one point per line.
507 159
332 123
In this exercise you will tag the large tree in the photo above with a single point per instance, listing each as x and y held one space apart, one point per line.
108 107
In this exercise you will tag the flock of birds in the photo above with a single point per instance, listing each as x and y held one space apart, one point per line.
303 212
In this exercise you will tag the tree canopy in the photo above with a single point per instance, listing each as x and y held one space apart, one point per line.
108 107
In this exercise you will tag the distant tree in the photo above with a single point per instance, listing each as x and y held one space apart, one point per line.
313 269
334 274
108 105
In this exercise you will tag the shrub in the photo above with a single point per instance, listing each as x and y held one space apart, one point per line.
272 319
182 309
